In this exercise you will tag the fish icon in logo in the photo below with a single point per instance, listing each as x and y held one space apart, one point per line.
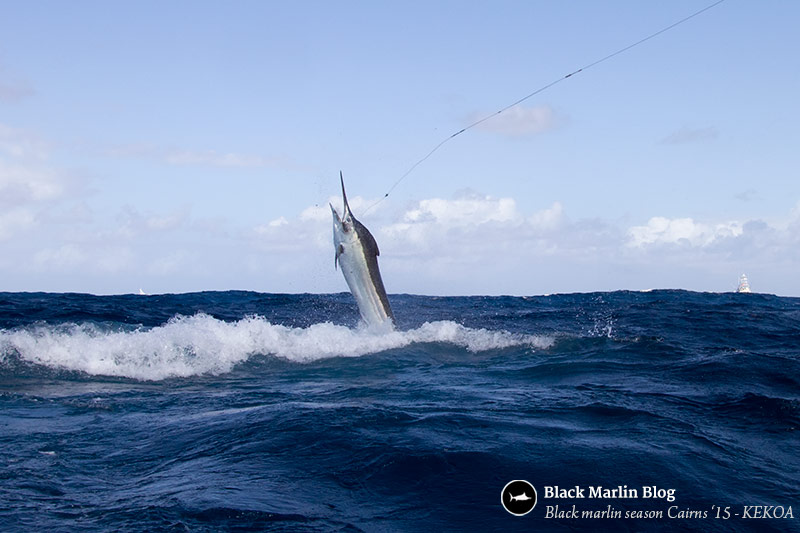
518 497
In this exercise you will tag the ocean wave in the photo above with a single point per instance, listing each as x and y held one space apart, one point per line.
201 344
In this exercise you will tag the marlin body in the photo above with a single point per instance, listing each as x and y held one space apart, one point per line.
522 497
357 254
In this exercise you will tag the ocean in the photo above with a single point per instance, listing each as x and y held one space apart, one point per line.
242 411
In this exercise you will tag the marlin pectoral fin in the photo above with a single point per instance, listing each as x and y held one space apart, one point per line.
339 251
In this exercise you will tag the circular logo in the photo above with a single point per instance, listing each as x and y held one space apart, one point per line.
518 497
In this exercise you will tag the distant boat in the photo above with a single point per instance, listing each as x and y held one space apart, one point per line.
744 285
142 293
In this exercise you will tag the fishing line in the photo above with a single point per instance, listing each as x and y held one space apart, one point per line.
537 91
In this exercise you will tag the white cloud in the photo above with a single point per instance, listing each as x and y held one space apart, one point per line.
549 218
318 213
278 222
87 256
19 143
132 222
309 231
21 185
14 221
322 212
661 230
519 121
794 214
114 259
29 190
170 264
167 222
472 227
469 208
64 257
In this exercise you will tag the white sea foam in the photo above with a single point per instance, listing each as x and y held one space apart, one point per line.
201 344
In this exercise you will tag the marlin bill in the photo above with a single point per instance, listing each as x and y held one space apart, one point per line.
357 255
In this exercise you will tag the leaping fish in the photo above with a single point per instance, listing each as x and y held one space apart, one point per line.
357 254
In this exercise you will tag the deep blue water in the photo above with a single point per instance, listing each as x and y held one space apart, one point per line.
239 411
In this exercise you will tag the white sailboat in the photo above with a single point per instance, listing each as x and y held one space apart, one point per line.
744 285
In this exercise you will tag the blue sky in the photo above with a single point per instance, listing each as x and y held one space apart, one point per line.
189 146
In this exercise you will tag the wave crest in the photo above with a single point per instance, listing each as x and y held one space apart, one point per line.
201 344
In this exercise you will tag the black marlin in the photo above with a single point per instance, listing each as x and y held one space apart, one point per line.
357 253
